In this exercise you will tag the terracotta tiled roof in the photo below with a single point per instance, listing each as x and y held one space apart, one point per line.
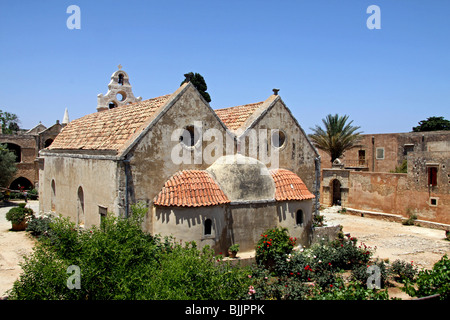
110 129
289 186
191 188
235 117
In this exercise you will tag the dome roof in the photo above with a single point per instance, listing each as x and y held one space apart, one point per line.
242 178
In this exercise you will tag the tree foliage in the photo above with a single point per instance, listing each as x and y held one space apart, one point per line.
9 121
199 82
336 137
7 165
432 124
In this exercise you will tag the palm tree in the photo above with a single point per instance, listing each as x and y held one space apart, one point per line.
337 137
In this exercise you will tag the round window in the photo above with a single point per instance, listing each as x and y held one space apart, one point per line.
278 138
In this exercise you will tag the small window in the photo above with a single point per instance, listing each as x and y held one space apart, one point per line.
433 202
112 105
380 153
207 227
432 176
102 211
189 138
278 138
120 79
299 218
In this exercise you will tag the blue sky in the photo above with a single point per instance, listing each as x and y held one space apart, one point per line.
319 53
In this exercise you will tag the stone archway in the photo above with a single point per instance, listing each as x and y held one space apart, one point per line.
21 183
336 192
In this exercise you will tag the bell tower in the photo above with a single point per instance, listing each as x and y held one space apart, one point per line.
119 92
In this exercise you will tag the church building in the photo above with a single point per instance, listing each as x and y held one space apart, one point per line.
217 177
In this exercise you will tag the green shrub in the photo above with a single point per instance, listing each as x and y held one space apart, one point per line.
120 261
412 217
430 282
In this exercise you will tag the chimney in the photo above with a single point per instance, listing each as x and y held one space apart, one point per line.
188 77
275 91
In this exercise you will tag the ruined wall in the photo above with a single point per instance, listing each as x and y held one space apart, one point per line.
396 193
26 167
97 178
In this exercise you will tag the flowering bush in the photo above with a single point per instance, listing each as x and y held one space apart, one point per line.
403 270
40 226
274 244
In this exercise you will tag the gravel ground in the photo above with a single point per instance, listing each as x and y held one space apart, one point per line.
13 246
423 246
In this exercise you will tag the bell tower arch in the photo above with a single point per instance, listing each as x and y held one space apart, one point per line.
119 92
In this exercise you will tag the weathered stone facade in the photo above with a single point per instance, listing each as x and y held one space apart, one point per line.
111 159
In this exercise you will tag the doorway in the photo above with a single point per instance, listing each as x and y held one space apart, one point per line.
336 191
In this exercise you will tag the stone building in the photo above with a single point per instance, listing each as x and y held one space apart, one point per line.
363 178
26 145
214 176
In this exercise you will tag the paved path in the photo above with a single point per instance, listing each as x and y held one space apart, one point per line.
13 246
422 245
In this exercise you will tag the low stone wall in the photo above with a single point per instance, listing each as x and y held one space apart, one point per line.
327 233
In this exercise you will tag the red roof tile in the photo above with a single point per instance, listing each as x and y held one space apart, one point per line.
235 117
289 186
191 188
110 129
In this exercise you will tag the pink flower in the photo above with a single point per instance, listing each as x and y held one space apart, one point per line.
249 275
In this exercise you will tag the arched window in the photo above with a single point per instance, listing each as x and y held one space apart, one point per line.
53 196
299 218
112 105
80 207
121 79
207 227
